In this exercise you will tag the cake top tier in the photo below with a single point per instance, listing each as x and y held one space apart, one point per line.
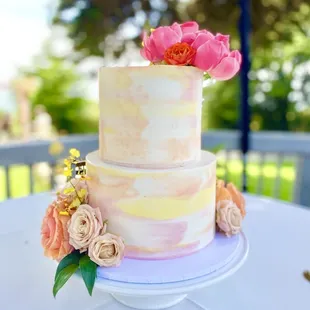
150 116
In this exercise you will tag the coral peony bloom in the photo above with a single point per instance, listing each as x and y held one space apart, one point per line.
210 54
237 198
230 192
54 234
160 39
180 54
227 68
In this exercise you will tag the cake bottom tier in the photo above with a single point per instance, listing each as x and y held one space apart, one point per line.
162 213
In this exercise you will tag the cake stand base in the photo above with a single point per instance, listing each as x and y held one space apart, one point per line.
149 302
167 294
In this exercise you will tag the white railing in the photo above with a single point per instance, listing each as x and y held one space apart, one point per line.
286 156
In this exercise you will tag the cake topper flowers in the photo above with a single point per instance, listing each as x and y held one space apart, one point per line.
186 45
75 234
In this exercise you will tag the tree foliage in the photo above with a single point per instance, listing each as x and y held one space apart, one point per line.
280 40
279 88
58 92
96 25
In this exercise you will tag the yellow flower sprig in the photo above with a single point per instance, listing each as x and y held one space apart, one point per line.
77 196
74 156
77 199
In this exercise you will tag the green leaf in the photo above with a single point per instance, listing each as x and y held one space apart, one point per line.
89 272
63 276
71 259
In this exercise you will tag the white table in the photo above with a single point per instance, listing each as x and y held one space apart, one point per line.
279 236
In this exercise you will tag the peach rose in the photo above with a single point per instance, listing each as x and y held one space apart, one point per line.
54 233
230 192
107 250
228 217
85 225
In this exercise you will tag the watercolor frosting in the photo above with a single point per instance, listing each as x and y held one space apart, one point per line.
161 213
149 191
150 116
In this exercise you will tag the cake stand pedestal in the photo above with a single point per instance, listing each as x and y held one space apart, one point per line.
166 283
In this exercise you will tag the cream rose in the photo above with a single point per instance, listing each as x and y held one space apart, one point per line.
228 217
85 225
107 250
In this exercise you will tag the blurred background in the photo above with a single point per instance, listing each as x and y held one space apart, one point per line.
51 51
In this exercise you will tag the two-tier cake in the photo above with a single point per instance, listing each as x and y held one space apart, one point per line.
150 178
149 192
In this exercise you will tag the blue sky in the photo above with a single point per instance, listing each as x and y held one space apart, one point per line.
23 28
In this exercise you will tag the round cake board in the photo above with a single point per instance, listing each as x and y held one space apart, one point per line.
213 257
158 284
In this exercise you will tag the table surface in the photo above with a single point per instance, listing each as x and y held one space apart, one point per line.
271 278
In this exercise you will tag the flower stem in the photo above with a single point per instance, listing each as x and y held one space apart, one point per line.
76 192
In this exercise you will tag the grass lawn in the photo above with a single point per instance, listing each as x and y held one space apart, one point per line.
20 183
263 178
20 186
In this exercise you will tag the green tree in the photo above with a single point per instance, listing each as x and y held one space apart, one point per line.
59 92
280 90
96 26
280 34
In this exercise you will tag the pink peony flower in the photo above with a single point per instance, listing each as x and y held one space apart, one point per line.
213 56
162 38
223 38
227 67
212 52
209 54
189 38
201 39
177 28
159 41
189 27
54 234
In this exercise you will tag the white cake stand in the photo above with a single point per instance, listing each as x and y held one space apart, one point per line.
160 296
